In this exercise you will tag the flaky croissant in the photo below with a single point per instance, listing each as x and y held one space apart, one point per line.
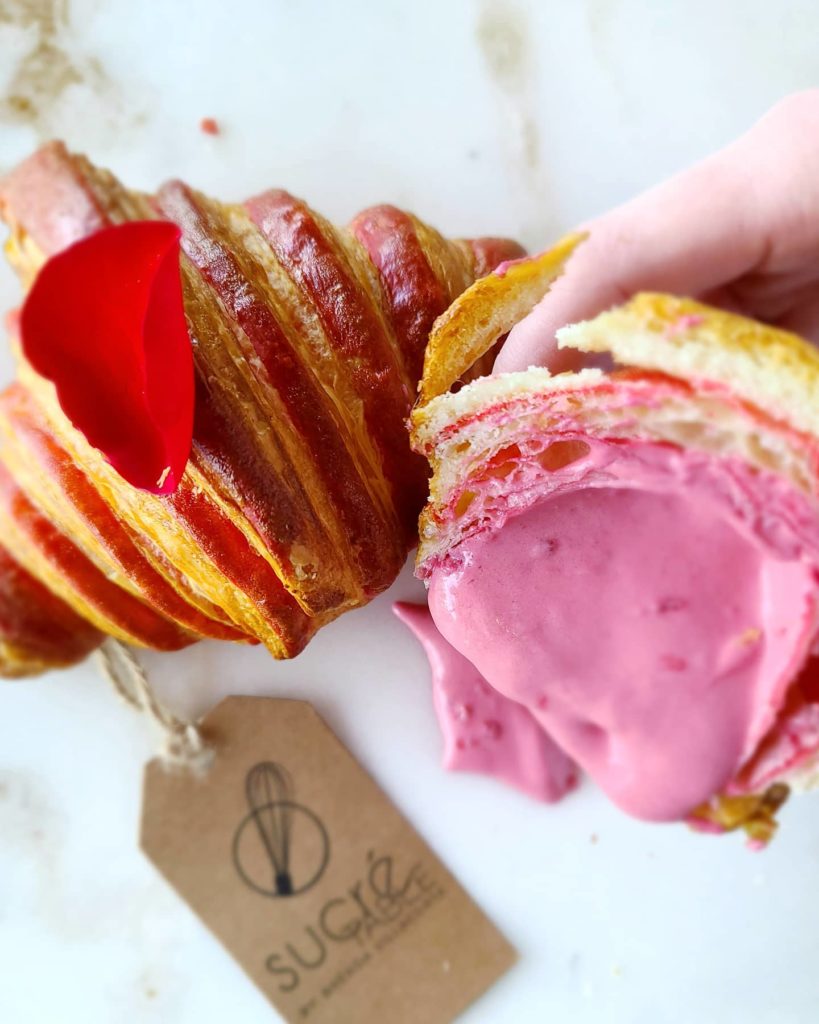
301 496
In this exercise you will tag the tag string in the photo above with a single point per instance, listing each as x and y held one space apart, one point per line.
182 745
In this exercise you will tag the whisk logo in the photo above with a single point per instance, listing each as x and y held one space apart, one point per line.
281 848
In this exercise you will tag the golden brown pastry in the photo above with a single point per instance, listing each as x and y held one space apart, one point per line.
301 496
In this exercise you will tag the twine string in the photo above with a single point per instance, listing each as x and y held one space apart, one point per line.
182 743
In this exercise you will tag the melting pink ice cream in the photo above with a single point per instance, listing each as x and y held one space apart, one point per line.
483 731
650 614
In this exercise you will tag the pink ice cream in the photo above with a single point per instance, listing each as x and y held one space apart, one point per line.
650 609
483 731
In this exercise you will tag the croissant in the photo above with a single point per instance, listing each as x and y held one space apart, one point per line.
630 556
301 496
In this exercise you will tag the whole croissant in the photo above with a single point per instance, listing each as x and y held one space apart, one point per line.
301 496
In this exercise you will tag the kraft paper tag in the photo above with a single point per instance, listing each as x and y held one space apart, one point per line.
309 876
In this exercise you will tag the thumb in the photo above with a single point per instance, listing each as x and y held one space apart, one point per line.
580 294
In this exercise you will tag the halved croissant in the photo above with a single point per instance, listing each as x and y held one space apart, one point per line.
301 496
632 556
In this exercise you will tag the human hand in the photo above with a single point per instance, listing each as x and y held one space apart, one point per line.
739 230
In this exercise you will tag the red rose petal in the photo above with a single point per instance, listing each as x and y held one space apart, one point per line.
105 322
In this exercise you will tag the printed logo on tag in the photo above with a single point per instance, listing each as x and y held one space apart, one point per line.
281 848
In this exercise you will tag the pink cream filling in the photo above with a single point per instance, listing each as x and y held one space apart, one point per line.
649 609
483 731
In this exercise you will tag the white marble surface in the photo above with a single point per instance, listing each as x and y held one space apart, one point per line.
510 117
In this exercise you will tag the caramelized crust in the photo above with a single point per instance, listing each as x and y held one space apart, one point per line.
50 476
37 630
49 555
301 495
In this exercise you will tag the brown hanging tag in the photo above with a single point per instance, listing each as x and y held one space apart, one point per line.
305 871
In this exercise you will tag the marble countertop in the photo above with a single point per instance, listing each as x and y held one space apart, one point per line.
510 117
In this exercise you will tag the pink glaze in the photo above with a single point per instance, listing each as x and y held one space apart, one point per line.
483 731
650 610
